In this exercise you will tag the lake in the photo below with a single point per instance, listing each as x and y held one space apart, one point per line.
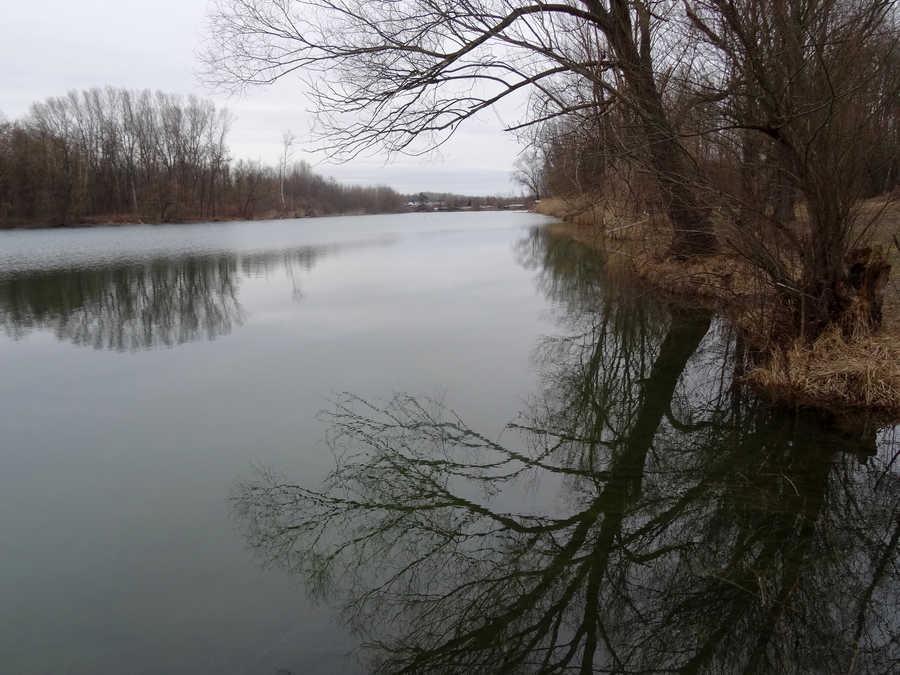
449 442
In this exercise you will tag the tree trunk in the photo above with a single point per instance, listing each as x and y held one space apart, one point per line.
693 230
850 295
781 189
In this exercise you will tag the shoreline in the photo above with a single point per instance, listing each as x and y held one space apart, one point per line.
858 377
123 221
117 221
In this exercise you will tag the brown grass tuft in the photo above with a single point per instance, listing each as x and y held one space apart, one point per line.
863 373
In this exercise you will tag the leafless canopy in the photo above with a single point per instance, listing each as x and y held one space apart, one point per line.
388 73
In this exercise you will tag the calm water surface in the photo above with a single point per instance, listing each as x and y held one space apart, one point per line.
431 443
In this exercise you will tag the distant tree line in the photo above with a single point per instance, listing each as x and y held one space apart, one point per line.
449 201
122 155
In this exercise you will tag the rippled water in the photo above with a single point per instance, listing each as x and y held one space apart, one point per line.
430 442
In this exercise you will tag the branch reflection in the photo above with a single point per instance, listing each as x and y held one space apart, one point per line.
142 305
645 514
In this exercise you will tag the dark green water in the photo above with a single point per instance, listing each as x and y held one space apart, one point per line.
425 443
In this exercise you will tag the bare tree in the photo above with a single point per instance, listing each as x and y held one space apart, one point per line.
529 172
287 143
810 82
404 75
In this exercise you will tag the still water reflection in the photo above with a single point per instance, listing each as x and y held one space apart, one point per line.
123 424
643 513
160 302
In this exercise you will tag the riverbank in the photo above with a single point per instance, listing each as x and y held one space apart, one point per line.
111 221
127 220
858 375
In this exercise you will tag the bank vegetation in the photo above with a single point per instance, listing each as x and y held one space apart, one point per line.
857 372
120 156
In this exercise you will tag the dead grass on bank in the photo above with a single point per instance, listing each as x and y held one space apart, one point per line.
832 373
640 242
835 374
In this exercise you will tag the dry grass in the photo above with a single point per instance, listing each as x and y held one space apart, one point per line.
582 210
832 373
724 282
836 374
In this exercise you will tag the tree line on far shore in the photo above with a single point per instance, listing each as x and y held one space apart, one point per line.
116 155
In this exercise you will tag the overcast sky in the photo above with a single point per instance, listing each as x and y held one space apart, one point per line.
48 47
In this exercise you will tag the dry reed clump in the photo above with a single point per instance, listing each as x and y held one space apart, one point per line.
605 224
581 210
611 218
721 277
835 373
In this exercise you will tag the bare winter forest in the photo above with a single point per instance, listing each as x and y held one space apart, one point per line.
118 155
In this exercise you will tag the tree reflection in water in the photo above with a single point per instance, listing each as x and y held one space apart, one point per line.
696 529
158 303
